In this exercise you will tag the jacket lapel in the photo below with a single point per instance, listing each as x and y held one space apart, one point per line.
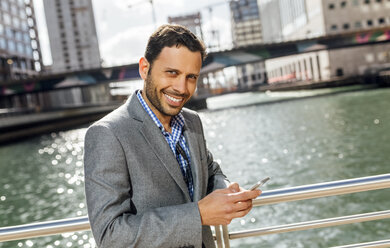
157 143
191 138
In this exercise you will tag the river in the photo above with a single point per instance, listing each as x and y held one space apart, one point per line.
292 137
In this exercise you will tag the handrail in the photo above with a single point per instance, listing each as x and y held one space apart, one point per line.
374 244
44 229
312 224
324 189
268 197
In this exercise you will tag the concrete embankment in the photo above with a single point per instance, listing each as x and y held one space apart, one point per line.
16 127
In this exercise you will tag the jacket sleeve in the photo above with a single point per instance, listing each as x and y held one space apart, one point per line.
113 217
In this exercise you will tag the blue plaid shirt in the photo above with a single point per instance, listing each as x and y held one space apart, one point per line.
175 138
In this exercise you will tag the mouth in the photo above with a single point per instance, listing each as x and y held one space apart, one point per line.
175 101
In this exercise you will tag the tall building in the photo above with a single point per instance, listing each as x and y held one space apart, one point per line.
20 55
246 25
72 34
193 22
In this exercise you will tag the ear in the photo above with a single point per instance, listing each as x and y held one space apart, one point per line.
143 68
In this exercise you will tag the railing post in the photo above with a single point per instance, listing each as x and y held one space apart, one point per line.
218 236
225 233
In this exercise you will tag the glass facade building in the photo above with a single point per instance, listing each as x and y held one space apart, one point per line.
20 55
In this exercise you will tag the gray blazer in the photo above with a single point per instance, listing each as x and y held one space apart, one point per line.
136 194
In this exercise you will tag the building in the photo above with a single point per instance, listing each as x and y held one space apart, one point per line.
352 15
20 55
284 20
193 22
302 19
245 21
288 20
72 34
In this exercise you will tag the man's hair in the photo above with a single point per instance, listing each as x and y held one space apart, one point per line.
170 35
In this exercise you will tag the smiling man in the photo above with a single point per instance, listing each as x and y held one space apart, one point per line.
150 180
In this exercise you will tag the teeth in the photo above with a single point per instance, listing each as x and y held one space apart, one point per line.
173 99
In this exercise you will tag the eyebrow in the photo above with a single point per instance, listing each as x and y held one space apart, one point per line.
173 69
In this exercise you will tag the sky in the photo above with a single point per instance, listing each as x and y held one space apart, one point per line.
123 31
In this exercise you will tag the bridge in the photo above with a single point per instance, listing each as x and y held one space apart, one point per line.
214 62
53 102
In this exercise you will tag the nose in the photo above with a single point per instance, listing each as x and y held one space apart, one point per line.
180 85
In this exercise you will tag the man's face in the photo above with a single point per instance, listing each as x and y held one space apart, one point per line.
171 81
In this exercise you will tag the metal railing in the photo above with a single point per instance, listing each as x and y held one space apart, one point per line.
222 234
310 192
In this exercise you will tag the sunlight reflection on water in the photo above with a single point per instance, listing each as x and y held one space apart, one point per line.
298 142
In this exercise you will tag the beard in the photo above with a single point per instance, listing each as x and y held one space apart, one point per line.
153 97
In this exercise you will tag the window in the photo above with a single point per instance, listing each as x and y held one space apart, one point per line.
4 5
339 72
9 32
343 4
16 22
333 27
331 6
358 24
26 38
11 45
7 18
355 2
367 1
369 23
20 48
22 14
18 35
346 26
2 43
1 28
381 20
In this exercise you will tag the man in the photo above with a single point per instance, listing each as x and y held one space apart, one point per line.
149 179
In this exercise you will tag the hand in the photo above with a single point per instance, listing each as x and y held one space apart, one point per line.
223 205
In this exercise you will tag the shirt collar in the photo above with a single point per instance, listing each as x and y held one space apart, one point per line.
176 120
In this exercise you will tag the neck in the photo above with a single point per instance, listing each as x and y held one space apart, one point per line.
164 119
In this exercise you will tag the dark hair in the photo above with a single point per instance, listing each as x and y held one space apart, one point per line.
170 35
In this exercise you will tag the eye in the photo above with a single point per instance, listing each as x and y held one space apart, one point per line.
172 72
192 77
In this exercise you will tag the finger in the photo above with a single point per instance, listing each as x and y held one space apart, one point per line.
245 195
244 205
240 214
234 187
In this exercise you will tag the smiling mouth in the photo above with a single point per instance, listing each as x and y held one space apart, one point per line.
173 99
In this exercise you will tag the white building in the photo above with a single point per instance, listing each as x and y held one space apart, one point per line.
72 35
301 19
283 20
352 15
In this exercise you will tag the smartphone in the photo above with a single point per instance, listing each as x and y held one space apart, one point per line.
259 183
